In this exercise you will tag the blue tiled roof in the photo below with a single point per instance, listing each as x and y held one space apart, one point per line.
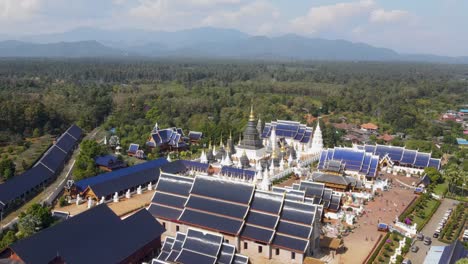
120 173
104 160
462 141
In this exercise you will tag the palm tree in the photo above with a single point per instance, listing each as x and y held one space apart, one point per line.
452 175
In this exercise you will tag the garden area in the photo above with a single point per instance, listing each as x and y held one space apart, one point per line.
420 211
454 225
387 248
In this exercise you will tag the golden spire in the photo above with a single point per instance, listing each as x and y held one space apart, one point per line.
252 116
209 146
230 134
274 155
221 140
282 147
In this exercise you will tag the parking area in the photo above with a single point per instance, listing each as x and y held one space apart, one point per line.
429 229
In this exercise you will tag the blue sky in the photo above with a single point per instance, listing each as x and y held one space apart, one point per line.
407 26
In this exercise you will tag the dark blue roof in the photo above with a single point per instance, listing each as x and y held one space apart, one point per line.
133 148
105 160
453 253
54 158
195 135
22 183
180 166
66 142
75 131
144 169
94 236
50 163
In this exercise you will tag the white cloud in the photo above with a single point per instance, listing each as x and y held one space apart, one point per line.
18 9
382 16
257 17
327 16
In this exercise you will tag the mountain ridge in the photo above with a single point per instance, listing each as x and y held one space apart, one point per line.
205 42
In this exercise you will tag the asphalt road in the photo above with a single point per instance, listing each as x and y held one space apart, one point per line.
428 230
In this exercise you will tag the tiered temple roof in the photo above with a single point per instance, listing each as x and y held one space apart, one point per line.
314 193
235 208
403 156
350 159
173 137
198 247
300 133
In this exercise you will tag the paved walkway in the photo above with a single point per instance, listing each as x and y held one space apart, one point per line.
429 229
384 209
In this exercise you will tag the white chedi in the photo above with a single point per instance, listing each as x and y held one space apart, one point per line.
265 183
317 140
203 157
116 197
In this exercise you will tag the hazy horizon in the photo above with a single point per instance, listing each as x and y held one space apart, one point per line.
428 27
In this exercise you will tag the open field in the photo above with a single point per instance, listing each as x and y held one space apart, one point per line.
26 155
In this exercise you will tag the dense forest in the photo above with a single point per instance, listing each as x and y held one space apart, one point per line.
43 96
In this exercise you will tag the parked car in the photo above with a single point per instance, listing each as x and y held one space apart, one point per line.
414 249
436 234
427 241
406 261
420 237
383 227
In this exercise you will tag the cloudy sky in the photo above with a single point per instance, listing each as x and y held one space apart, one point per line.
409 26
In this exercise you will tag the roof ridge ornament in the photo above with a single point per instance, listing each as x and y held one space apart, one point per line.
252 115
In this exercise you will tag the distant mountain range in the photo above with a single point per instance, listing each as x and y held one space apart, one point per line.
201 43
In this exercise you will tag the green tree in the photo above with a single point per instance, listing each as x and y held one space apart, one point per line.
433 174
7 168
8 239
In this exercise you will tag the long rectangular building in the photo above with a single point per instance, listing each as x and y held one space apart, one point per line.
97 235
259 224
13 192
120 181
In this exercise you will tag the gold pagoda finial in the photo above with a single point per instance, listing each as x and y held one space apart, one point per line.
221 140
283 149
230 134
274 155
252 116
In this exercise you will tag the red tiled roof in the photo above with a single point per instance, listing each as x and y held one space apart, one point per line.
369 126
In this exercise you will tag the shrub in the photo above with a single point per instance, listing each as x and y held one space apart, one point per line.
63 202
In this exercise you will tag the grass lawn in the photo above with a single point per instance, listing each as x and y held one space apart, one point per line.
441 188
431 204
